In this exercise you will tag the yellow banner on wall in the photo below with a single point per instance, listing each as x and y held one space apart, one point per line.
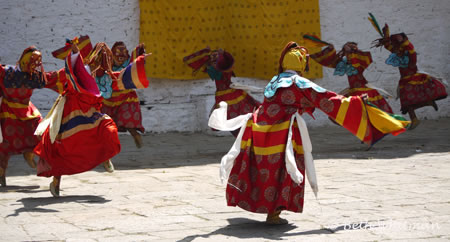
254 32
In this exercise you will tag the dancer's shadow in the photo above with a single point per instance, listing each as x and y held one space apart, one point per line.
244 228
21 189
37 204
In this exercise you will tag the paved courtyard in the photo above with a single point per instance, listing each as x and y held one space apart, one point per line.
170 191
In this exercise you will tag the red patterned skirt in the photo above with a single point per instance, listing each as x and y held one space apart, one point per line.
419 90
259 182
18 135
124 108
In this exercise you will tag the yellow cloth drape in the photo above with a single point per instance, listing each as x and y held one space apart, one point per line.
254 32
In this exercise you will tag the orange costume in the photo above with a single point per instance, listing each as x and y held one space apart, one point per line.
266 166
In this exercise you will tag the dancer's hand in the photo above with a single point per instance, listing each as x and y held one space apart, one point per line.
365 98
146 55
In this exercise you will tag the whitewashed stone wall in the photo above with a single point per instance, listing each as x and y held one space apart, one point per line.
181 105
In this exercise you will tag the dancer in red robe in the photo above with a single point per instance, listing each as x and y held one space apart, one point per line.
266 166
219 66
76 136
18 116
415 89
123 105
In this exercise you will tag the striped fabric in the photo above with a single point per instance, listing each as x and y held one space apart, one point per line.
78 121
198 59
19 111
351 114
360 60
133 76
84 44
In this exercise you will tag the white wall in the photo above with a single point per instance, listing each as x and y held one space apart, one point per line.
181 105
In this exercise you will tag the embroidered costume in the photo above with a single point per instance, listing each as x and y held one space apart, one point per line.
122 105
266 166
415 89
76 136
219 64
18 116
352 62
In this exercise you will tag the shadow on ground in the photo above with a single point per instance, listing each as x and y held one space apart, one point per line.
38 204
243 228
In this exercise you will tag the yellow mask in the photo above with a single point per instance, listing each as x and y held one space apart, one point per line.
296 60
30 61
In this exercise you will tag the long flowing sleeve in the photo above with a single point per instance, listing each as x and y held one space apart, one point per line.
131 77
367 123
56 80
411 53
327 57
360 60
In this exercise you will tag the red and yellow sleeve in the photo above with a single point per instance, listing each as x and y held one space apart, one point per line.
362 120
409 47
360 59
56 80
327 57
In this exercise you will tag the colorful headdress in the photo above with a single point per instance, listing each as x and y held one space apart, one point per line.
30 61
375 24
225 62
28 57
294 57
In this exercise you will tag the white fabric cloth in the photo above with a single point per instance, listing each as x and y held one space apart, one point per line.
381 90
246 88
218 120
54 116
291 165
53 119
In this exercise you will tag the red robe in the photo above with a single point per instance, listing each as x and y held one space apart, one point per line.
86 137
239 101
18 116
123 106
415 89
259 181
